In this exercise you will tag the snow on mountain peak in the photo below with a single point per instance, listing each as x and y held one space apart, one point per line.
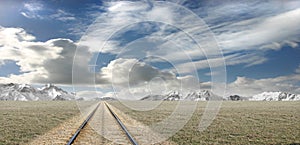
275 96
25 92
202 95
173 96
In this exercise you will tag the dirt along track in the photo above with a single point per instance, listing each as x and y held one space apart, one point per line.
101 128
104 128
62 133
143 134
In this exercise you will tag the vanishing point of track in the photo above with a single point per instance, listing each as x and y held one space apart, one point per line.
90 116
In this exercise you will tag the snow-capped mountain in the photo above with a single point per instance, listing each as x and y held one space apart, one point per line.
202 95
173 96
17 92
25 92
153 98
206 95
105 99
275 96
237 98
170 96
56 93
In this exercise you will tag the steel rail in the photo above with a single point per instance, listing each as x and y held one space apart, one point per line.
82 126
130 137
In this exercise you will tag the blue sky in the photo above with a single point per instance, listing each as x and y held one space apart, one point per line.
258 41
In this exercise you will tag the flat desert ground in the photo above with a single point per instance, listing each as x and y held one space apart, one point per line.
243 122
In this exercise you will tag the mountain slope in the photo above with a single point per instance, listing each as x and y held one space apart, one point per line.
153 98
173 96
56 93
202 95
237 98
275 96
25 92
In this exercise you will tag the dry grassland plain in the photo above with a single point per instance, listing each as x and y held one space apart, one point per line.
236 123
22 121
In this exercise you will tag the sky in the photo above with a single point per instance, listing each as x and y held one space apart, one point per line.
133 48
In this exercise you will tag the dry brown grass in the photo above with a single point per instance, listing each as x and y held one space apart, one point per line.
22 121
236 123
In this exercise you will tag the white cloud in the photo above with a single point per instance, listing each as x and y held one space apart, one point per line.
18 46
133 79
253 35
14 35
156 14
271 31
40 62
121 14
233 59
51 61
126 6
25 15
157 85
36 10
32 9
117 15
33 6
87 95
256 33
248 87
126 72
62 15
298 69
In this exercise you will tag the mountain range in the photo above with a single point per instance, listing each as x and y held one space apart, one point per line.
201 95
275 96
206 95
25 92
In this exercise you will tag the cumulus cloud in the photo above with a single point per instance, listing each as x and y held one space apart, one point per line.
18 46
248 87
11 36
51 61
40 62
132 72
133 79
89 94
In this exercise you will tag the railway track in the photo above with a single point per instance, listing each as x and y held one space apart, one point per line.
130 137
102 120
